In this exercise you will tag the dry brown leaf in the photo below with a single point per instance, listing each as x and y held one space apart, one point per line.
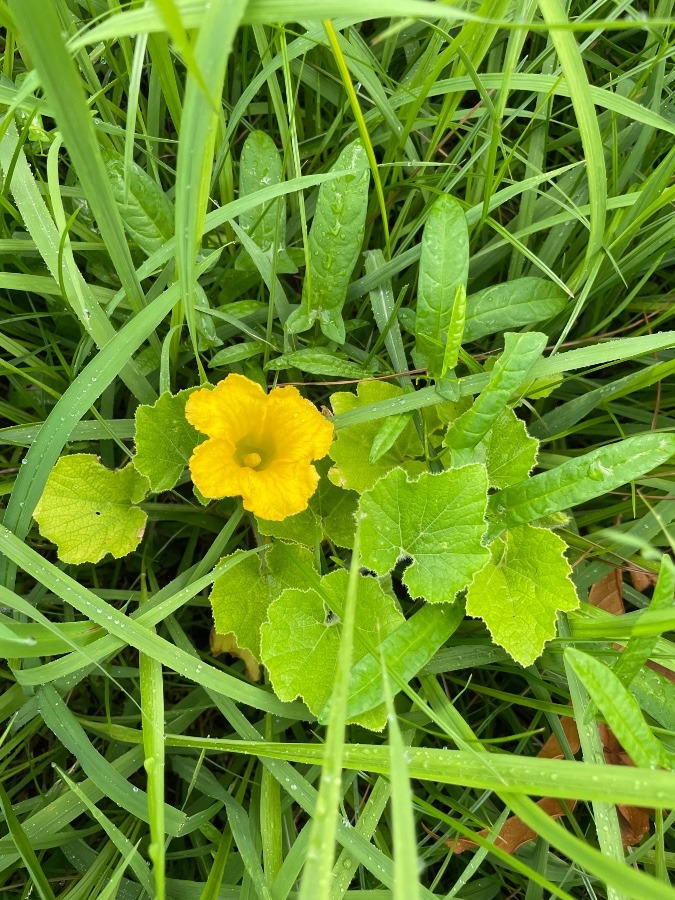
552 748
607 593
633 820
515 832
641 580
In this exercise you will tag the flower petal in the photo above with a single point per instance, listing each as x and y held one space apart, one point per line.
215 471
234 408
296 426
281 490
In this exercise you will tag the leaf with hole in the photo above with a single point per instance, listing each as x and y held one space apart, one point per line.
88 510
437 521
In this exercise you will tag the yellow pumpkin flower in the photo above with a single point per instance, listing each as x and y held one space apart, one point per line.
259 446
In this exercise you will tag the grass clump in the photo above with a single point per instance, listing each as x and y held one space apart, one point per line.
450 226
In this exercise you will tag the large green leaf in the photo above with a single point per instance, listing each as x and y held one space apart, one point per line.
437 520
241 598
301 639
88 510
521 588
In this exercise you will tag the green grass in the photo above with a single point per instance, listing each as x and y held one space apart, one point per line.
132 762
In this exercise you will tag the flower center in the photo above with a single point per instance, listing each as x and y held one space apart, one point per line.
252 460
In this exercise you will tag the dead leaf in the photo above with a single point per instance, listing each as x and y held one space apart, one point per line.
607 593
227 643
515 832
641 580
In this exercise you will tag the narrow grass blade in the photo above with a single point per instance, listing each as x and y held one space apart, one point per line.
317 877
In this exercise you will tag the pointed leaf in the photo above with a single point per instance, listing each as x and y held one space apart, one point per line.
620 710
444 266
580 479
638 649
87 510
513 304
436 520
147 213
521 352
260 166
335 240
519 591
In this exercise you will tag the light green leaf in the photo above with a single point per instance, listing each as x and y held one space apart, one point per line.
521 352
319 362
455 335
444 266
437 520
620 710
580 479
301 640
240 598
236 353
87 510
405 652
513 304
351 450
334 244
164 440
260 166
520 589
330 514
510 453
147 213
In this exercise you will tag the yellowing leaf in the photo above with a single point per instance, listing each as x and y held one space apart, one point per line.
301 640
164 440
519 591
240 598
510 453
87 510
437 520
351 450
